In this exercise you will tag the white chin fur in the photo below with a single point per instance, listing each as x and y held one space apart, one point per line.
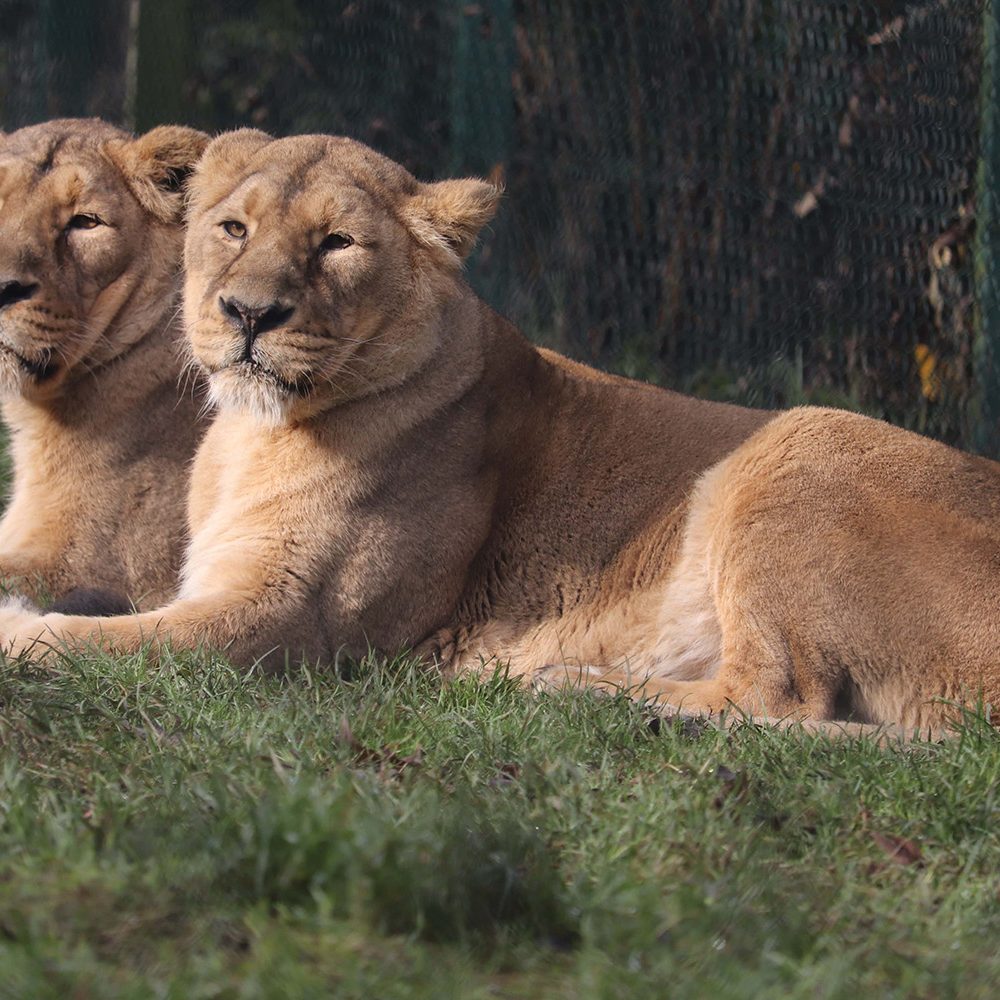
268 406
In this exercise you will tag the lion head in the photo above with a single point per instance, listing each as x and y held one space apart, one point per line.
314 267
90 243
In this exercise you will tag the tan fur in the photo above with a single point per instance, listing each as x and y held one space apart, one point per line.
101 439
394 465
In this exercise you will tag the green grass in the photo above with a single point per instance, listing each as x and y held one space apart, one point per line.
192 831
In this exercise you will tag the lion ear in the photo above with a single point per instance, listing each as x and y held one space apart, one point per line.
157 165
448 215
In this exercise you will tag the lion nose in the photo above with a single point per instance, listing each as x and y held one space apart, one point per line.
15 291
252 321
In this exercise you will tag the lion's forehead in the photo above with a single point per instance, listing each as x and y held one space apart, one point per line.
303 172
64 132
44 148
16 175
304 205
306 158
68 184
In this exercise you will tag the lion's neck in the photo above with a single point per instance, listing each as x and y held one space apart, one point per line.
374 423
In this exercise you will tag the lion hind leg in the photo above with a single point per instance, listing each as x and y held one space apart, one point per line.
710 698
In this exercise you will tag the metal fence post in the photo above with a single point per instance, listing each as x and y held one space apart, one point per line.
164 60
986 417
481 118
482 106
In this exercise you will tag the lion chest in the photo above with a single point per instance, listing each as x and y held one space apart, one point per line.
265 506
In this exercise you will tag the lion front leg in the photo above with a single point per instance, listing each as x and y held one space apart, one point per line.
185 624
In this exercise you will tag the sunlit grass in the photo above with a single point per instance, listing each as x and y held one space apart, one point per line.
191 830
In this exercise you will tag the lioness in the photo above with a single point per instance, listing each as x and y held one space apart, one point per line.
394 465
90 246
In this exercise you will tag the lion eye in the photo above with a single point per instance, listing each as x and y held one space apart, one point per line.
84 220
235 229
336 241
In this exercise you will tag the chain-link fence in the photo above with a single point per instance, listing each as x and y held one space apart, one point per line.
772 201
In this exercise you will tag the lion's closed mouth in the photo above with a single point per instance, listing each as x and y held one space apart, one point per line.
254 369
41 369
